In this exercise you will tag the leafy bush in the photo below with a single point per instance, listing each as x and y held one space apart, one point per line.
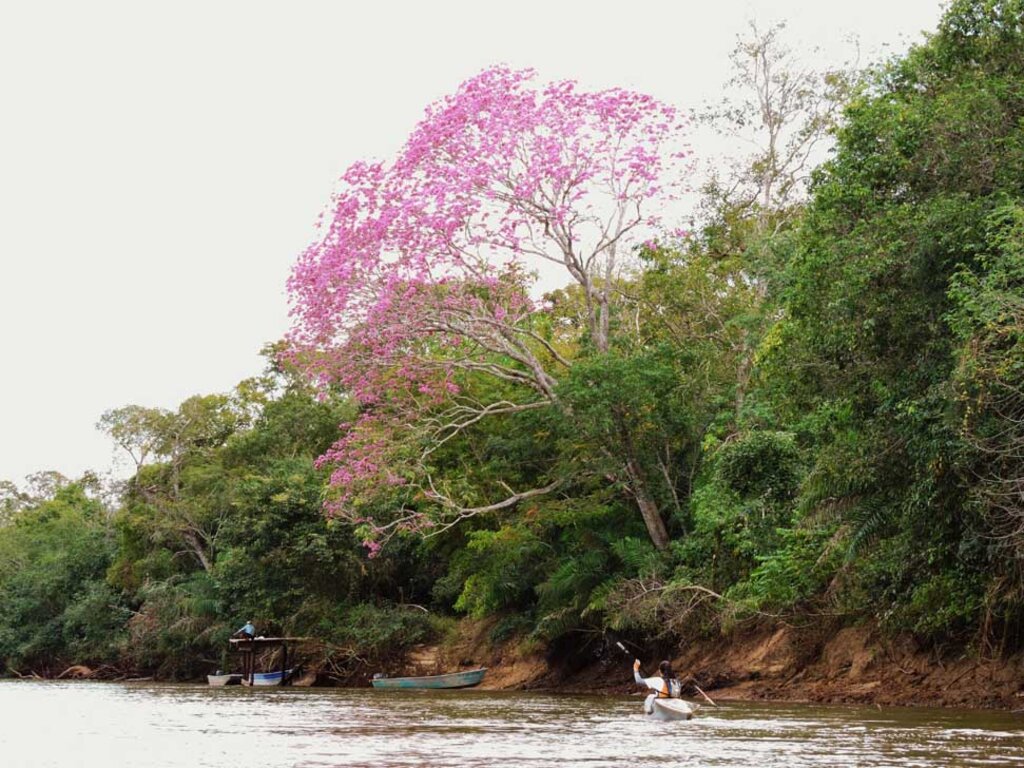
53 560
944 608
501 570
799 570
375 632
761 464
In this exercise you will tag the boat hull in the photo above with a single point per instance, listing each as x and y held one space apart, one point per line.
669 709
465 679
263 679
219 680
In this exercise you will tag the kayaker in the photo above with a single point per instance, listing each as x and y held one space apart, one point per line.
665 686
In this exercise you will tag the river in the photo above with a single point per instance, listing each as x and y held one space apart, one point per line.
103 725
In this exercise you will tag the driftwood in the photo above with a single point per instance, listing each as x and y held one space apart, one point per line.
30 676
305 680
76 672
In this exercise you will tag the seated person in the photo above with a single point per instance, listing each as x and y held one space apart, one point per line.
665 686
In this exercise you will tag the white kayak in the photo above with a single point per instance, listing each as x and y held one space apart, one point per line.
669 709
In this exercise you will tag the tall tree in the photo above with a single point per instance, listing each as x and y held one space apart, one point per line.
423 275
780 113
165 445
918 199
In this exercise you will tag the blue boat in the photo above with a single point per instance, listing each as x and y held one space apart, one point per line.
466 679
268 678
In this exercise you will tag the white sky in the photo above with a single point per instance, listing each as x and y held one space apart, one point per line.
161 164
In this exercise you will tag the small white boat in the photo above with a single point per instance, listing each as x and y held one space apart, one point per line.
669 709
219 680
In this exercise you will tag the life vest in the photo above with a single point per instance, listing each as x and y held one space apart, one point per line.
670 689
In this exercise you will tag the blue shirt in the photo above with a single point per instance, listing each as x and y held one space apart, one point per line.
249 629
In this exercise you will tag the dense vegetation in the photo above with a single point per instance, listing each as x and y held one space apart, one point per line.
824 398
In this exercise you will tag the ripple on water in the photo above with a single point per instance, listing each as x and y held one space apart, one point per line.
96 725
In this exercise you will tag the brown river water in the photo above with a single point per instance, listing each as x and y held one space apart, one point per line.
105 725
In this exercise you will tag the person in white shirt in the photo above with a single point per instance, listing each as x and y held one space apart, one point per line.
665 685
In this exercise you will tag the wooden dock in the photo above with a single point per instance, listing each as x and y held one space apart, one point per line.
249 647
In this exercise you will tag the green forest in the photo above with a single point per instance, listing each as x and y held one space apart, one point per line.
821 389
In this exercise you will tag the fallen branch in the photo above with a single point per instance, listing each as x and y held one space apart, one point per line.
76 671
959 677
414 605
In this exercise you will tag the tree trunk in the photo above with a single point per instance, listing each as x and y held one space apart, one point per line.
638 485
196 546
648 508
743 377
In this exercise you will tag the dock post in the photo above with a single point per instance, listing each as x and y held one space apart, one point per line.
284 662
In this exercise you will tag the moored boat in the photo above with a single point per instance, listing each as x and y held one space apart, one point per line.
260 679
219 680
466 679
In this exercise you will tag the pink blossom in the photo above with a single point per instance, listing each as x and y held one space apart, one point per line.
424 264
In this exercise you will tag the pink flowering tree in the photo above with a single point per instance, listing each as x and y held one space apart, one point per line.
424 278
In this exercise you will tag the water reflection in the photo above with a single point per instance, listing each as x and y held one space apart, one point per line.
95 724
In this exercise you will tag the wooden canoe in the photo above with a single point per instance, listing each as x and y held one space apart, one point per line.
466 679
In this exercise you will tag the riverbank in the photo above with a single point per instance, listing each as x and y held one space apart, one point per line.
853 665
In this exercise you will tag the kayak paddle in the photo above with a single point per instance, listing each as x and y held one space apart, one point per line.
706 697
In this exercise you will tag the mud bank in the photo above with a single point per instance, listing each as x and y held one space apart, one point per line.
855 665
847 665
